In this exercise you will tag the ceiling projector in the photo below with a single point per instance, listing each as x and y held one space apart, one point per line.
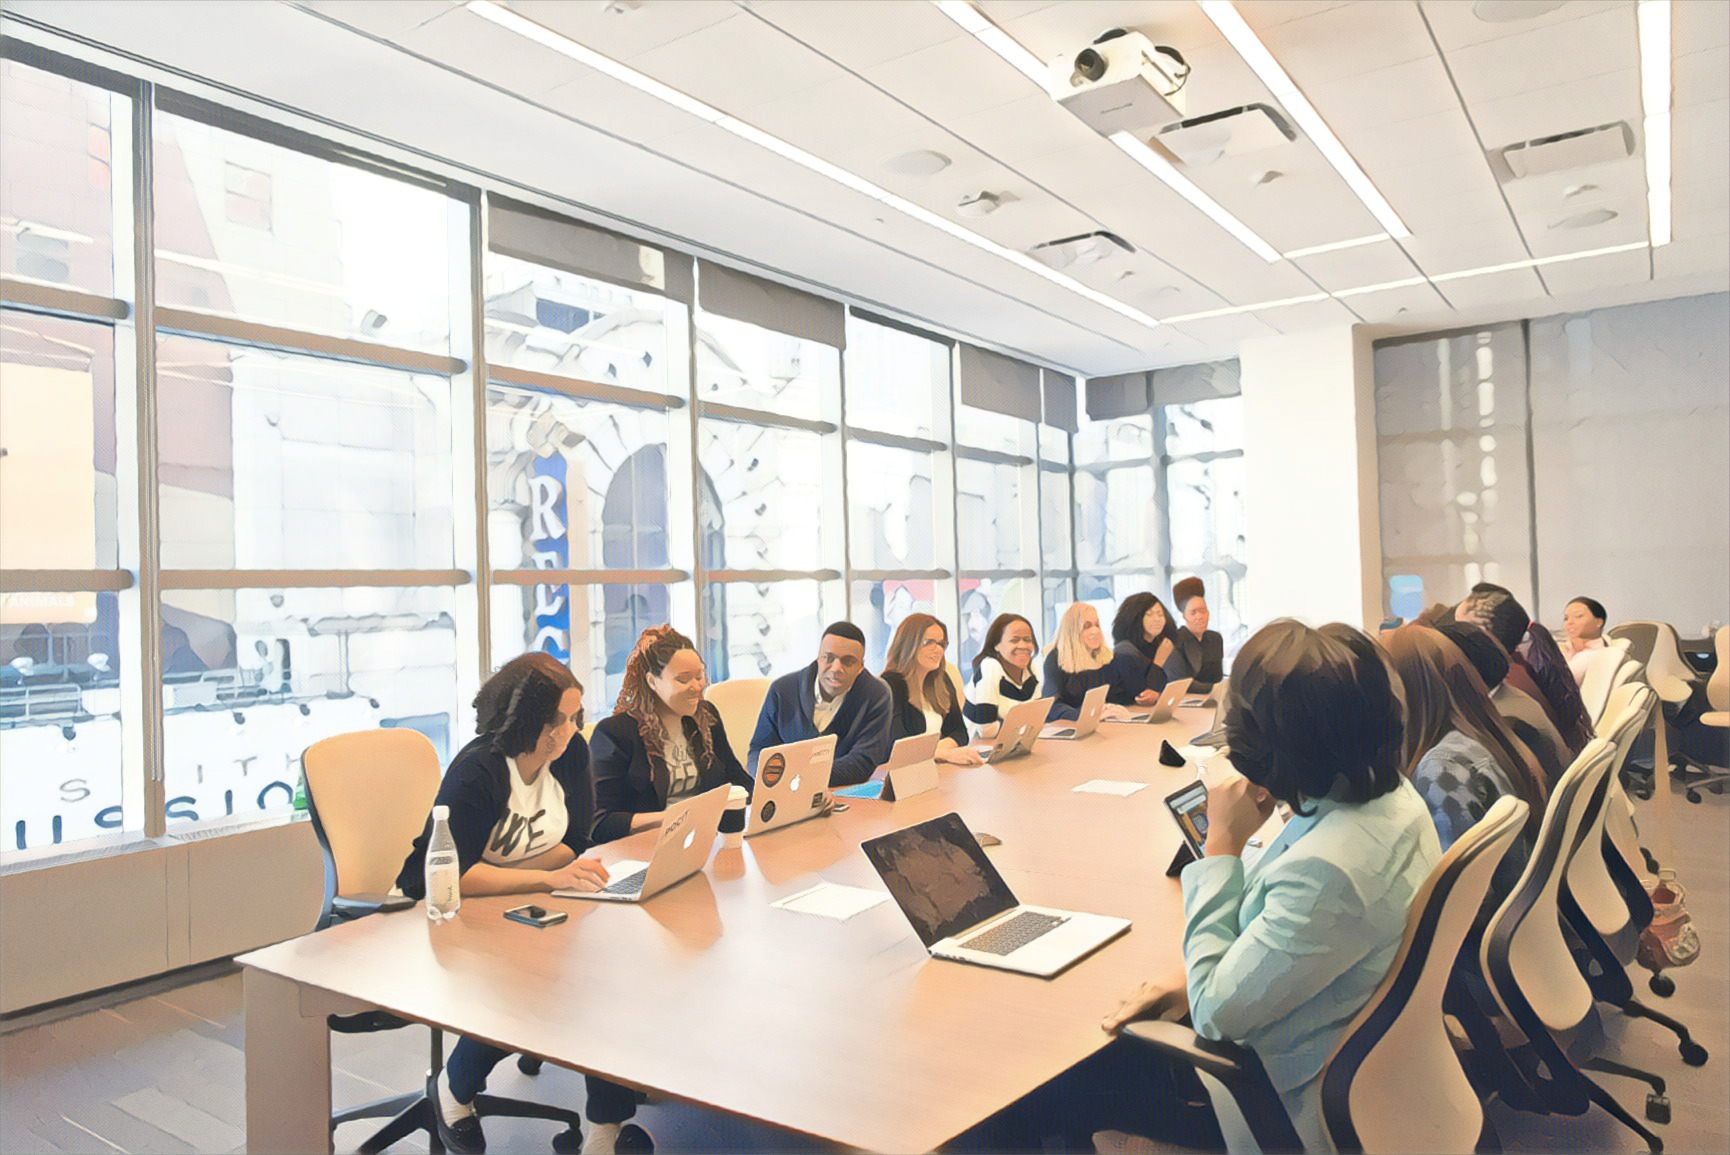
1122 82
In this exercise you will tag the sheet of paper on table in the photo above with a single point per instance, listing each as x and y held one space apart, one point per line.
829 900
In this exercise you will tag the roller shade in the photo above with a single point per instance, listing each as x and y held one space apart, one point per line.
1122 395
1182 384
1000 384
769 305
1059 390
530 234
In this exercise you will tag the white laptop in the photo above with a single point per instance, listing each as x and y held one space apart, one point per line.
687 835
1169 699
1086 722
961 908
911 769
1018 731
792 784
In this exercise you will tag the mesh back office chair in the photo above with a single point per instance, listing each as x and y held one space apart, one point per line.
1394 1083
1656 645
1533 979
1714 769
1601 670
739 701
369 794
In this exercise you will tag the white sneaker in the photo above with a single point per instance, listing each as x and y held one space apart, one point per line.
600 1139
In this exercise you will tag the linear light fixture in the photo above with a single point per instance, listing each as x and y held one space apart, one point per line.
1235 310
983 30
1538 262
1232 26
1336 246
1654 21
510 21
1144 155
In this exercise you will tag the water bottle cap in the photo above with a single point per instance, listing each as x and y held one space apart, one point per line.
441 812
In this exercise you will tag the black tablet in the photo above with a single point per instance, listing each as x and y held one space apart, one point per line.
1189 807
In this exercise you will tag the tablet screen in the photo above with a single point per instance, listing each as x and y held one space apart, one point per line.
1189 807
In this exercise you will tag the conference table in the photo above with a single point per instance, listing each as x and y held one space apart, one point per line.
847 1031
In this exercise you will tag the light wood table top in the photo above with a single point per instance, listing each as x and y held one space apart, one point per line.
847 1031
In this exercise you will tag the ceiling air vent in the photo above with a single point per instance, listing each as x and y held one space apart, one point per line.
1233 132
1566 150
1086 249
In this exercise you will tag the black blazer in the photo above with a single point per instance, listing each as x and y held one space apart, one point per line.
906 720
1135 658
1200 658
628 782
477 788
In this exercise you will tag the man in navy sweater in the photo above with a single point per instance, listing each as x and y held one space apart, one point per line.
833 695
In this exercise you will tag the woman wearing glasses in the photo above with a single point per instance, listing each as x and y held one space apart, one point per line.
922 696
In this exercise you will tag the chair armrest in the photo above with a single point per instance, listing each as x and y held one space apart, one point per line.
350 906
1671 689
1234 1067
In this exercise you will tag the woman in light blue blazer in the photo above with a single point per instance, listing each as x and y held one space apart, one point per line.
1281 954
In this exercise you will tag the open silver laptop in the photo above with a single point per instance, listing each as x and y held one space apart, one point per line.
1018 731
911 769
1161 710
792 784
961 908
1086 722
687 835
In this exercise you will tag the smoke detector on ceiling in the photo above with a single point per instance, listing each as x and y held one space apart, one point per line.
1585 220
1085 249
919 162
1508 11
979 204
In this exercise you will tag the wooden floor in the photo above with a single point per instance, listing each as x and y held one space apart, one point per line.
161 1070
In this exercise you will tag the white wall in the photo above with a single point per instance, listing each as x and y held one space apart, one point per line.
1310 485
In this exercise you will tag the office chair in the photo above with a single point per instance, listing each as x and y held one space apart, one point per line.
1536 985
1395 1082
368 795
1601 670
739 701
1712 775
1656 645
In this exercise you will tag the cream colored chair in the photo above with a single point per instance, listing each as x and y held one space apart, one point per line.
369 795
1602 669
739 701
1718 685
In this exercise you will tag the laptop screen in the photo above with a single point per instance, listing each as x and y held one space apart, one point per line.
938 874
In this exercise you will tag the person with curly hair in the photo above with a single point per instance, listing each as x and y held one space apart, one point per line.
521 805
665 741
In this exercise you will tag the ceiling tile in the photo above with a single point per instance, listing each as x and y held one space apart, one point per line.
1226 331
1476 244
1692 255
705 64
1696 26
1598 272
952 79
1443 136
1584 103
1705 201
1394 305
1455 24
1603 43
1699 76
1031 126
1348 41
1400 92
1702 125
860 33
387 20
623 35
1315 315
1263 14
1374 264
617 108
837 118
487 52
1507 287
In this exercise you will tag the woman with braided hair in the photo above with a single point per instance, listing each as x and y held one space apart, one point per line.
664 741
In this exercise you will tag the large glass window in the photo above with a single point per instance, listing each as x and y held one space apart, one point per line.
755 368
1204 506
65 150
894 506
249 229
764 497
1116 524
896 381
250 678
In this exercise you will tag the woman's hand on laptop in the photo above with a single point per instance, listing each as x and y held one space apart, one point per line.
1158 999
959 755
585 874
1147 698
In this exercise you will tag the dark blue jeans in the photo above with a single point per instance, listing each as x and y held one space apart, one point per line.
471 1062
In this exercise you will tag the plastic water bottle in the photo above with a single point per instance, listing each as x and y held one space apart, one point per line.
443 873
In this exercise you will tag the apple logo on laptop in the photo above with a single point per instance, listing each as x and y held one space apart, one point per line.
690 838
794 787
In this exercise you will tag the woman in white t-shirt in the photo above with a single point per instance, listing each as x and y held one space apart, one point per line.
521 805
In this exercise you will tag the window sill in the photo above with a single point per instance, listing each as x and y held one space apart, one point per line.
134 842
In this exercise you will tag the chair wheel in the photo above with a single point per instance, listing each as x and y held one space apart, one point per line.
1693 1054
1657 1108
1662 985
1693 795
528 1064
570 1140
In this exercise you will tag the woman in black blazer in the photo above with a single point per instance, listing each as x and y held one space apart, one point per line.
1142 631
664 742
1197 652
921 694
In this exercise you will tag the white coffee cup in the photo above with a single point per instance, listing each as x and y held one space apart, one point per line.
733 818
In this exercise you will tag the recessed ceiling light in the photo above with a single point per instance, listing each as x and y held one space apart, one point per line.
1507 11
919 162
1585 220
522 26
1232 26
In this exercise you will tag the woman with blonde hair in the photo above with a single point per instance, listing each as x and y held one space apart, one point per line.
664 742
1082 658
922 698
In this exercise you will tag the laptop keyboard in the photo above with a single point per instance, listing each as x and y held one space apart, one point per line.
1012 934
630 884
